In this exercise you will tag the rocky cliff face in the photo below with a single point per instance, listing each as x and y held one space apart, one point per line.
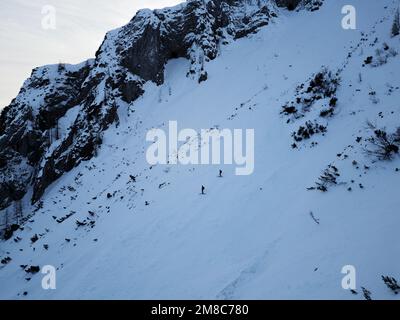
35 149
311 5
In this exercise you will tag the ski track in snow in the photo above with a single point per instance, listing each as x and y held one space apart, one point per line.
230 292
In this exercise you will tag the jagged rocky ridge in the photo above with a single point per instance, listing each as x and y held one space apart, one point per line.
33 153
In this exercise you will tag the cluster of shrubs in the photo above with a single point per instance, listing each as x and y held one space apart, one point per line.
390 282
328 178
381 57
330 110
383 145
308 130
313 5
322 85
90 223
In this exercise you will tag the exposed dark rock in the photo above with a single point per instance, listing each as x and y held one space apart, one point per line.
9 231
27 126
289 4
130 90
34 238
32 269
5 260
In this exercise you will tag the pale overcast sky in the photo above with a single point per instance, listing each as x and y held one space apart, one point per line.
80 29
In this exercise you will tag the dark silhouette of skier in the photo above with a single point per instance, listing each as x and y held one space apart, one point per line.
220 173
202 189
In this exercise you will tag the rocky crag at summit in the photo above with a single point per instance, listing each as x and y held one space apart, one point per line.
34 151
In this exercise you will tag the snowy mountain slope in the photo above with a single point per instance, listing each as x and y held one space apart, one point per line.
128 58
249 236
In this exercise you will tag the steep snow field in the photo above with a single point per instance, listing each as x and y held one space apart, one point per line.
249 236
